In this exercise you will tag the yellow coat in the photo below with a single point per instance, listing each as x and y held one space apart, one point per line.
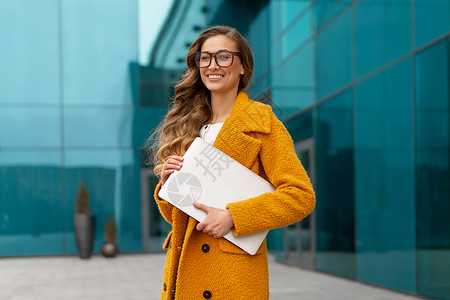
199 266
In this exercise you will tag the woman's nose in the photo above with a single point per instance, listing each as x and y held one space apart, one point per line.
213 64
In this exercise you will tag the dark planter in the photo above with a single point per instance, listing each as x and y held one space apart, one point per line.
84 234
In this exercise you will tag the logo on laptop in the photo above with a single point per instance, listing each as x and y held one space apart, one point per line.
184 189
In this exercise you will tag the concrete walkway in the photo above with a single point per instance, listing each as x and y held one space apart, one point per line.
138 277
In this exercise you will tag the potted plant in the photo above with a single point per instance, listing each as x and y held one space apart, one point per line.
83 223
109 248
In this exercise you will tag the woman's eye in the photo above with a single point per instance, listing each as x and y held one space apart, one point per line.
224 56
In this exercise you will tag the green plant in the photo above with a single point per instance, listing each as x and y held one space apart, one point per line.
82 203
111 231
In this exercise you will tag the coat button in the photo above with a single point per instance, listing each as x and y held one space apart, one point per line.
164 287
205 248
207 294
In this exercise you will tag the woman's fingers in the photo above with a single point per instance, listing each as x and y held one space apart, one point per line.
217 223
173 163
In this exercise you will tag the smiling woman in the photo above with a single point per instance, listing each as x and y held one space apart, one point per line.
200 263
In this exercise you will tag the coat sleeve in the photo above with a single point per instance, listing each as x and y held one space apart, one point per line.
294 196
164 207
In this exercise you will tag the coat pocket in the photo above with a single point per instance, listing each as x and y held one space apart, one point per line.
229 247
166 243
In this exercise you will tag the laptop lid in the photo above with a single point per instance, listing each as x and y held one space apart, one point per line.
211 177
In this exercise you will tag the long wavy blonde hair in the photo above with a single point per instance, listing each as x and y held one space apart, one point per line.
191 107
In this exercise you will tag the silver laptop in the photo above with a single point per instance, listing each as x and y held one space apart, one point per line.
211 177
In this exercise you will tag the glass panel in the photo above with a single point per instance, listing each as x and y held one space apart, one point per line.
112 180
305 240
384 179
98 46
275 52
298 237
334 186
294 90
259 39
297 34
384 109
291 9
432 94
291 100
148 119
334 56
31 203
159 228
383 33
433 170
29 52
98 127
300 127
324 11
153 87
432 20
30 127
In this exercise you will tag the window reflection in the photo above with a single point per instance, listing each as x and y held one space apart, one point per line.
30 227
335 190
432 20
432 170
333 65
96 57
29 53
384 179
382 33
30 127
98 127
326 10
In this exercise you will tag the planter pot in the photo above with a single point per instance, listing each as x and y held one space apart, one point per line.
110 250
84 234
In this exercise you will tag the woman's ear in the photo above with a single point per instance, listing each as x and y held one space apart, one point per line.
242 70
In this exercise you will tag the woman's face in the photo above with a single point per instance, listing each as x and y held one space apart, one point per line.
221 79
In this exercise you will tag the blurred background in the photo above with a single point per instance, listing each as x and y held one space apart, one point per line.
362 86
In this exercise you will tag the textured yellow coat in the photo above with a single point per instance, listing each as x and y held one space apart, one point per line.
199 266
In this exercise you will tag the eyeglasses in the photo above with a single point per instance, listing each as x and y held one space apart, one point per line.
223 58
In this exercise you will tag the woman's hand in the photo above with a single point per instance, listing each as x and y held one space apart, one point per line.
173 163
217 223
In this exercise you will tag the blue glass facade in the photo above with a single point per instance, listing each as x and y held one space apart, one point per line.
367 82
68 114
362 86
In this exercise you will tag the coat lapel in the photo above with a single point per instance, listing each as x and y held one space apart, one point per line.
235 138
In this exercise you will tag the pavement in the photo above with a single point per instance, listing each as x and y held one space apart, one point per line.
138 277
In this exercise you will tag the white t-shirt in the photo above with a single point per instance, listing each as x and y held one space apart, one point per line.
209 132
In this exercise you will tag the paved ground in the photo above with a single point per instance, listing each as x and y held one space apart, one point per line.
138 277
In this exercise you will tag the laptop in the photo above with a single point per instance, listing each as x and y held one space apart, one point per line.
211 177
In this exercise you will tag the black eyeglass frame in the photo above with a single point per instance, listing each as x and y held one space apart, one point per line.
211 55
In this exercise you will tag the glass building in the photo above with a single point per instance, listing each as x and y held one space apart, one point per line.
362 86
68 115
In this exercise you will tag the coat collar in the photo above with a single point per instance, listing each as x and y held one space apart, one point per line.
246 116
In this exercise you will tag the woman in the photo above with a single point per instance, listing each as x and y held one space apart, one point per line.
210 102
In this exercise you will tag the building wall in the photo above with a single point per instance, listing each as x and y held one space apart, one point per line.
368 81
68 114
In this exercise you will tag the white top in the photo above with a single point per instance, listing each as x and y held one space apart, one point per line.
209 132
